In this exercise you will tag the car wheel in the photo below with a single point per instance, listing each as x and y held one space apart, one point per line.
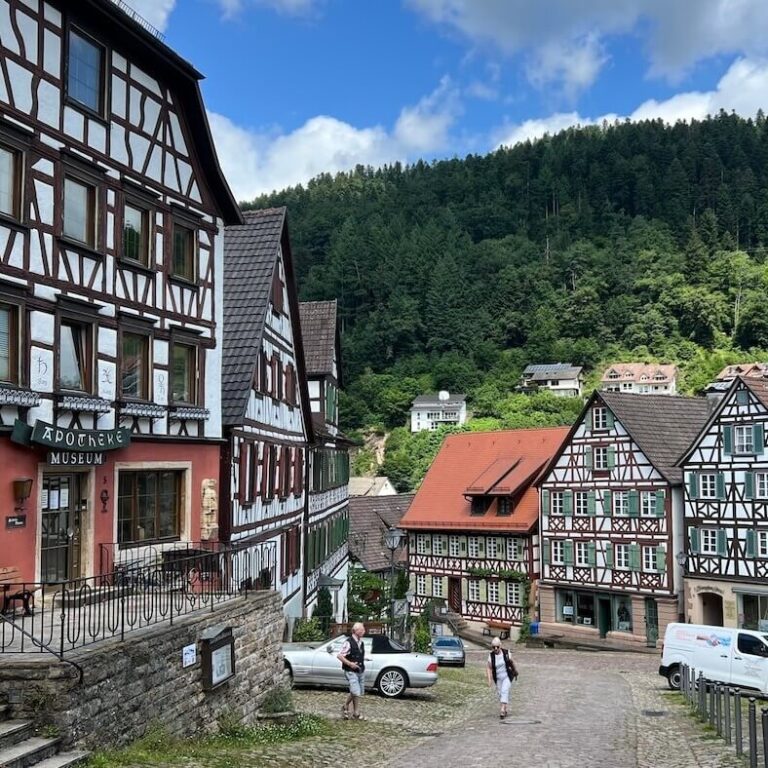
673 678
392 683
288 673
463 663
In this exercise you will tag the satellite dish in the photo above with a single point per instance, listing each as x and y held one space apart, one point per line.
443 395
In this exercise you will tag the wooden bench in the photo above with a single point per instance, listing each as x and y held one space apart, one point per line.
12 590
500 626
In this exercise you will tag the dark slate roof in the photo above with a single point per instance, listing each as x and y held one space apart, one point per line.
563 370
663 426
369 519
421 400
318 330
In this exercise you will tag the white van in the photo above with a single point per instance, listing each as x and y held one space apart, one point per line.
737 657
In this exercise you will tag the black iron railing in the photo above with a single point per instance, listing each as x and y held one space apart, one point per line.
156 586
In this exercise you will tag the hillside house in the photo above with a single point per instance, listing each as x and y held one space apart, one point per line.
433 411
561 379
640 379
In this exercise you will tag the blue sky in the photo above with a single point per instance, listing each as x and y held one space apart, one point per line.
294 88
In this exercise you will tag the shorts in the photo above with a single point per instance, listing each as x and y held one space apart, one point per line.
356 682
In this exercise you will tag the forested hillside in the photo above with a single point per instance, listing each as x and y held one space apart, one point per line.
628 241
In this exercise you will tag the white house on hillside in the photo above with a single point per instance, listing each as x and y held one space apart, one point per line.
640 378
432 411
561 379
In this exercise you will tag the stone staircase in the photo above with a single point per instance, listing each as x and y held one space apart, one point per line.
21 748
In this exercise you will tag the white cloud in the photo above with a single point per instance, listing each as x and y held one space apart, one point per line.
156 12
741 89
677 33
262 161
289 7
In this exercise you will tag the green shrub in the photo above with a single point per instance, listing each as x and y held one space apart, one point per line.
307 631
278 699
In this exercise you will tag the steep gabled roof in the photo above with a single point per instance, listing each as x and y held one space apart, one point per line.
250 258
511 457
369 519
662 426
320 335
636 371
452 401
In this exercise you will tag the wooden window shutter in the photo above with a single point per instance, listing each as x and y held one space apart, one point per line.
751 536
567 502
588 421
693 485
588 461
607 504
634 557
661 559
568 552
727 440
758 438
609 418
264 470
502 592
749 485
545 501
660 498
693 539
608 554
720 483
742 397
634 504
546 551
242 480
611 457
253 464
591 553
272 470
591 505
722 542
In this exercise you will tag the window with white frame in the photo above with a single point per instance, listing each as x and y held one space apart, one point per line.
621 556
761 485
621 503
557 504
437 587
648 503
513 549
474 589
558 552
582 553
493 591
762 543
421 584
600 457
421 543
454 546
513 593
707 485
743 439
599 418
491 549
473 546
708 541
649 558
437 546
581 503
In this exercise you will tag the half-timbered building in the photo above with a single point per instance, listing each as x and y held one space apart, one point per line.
473 524
726 512
611 518
265 403
112 206
327 511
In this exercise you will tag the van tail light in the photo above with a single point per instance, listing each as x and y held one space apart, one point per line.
432 667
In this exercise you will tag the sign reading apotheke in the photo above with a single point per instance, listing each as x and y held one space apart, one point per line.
71 439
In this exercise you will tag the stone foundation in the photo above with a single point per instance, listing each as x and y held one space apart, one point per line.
138 683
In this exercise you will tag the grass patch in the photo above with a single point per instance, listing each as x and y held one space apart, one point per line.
218 751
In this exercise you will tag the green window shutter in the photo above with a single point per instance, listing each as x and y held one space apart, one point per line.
428 582
591 503
722 542
464 589
661 559
634 557
634 504
568 552
591 553
693 485
412 582
757 436
720 482
611 457
749 485
660 496
751 542
502 592
727 440
588 421
445 586
546 551
609 418
545 501
742 397
608 555
693 539
483 591
567 502
588 462
607 508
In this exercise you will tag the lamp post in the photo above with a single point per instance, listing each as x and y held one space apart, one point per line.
392 540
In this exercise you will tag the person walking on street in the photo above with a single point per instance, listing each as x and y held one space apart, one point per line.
352 658
501 673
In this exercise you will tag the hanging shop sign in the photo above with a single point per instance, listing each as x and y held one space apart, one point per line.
72 440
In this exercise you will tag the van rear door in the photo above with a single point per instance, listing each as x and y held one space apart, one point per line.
749 666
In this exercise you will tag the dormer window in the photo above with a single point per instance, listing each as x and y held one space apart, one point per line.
85 72
479 505
613 375
505 506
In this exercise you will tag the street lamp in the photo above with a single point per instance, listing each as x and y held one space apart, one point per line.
392 540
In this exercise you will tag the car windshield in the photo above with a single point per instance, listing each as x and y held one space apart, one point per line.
448 642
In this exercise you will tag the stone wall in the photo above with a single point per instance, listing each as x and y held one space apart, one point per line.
131 685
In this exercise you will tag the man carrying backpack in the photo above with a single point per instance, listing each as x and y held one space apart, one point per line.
352 658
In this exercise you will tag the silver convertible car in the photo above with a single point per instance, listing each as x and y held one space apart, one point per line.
389 667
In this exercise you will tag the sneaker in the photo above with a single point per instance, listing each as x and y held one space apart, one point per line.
344 713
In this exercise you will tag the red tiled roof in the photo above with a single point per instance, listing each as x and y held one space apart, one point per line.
509 460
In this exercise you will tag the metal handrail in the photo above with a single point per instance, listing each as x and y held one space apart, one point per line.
45 647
